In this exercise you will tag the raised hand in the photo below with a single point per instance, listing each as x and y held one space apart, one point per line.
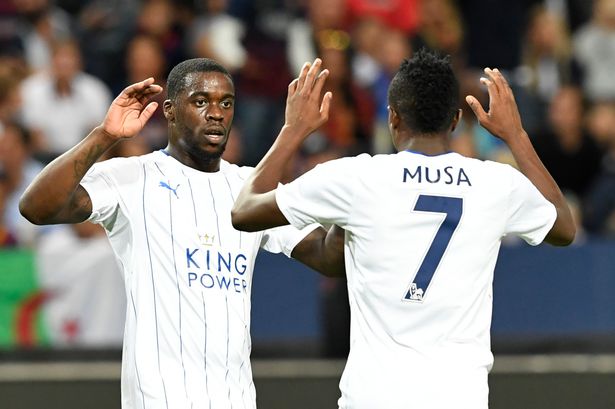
305 111
130 110
503 119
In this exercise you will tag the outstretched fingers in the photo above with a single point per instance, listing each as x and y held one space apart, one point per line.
476 107
292 87
325 105
320 83
310 77
303 75
137 87
147 113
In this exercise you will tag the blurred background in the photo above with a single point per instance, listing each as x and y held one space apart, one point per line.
63 61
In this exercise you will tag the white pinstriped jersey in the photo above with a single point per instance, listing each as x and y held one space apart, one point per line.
188 275
422 238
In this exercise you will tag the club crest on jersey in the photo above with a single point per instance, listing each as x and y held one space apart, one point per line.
414 293
167 185
206 239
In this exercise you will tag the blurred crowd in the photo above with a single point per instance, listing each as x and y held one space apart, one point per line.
62 62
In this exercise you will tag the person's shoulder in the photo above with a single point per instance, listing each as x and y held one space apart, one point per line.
232 169
91 84
122 163
357 161
35 83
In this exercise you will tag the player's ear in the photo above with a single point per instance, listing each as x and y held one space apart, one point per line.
394 118
169 110
456 119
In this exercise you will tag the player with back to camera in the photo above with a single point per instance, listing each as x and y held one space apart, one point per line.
188 272
423 230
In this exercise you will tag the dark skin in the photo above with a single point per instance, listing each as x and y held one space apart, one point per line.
199 120
256 207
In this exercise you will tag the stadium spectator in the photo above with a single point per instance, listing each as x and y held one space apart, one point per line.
262 80
599 202
62 103
566 149
216 34
104 27
42 24
323 18
401 15
145 58
441 29
594 48
547 65
394 47
158 18
17 170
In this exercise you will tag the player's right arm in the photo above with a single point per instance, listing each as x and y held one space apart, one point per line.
55 195
504 121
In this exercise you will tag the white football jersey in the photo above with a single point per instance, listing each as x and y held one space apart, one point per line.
422 239
188 276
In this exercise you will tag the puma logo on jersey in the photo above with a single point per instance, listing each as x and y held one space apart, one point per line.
167 186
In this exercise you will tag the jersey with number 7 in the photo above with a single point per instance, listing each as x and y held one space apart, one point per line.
422 239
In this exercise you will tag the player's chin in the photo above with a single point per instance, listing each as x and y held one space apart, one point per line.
212 151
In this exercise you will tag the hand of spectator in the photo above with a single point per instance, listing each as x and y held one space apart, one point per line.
305 111
503 119
130 110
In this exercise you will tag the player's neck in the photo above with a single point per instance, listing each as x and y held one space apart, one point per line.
433 144
199 163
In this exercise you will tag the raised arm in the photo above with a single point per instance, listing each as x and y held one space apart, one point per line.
256 208
55 195
504 121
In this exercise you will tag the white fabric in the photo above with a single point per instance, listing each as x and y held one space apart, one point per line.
188 276
426 346
594 48
64 120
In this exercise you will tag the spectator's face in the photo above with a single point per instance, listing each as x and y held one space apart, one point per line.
566 110
327 13
12 150
545 33
202 115
601 123
145 59
66 62
604 13
156 17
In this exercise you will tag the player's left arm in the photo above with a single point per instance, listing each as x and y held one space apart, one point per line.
504 121
323 251
256 207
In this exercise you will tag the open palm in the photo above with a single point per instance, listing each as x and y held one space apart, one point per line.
131 110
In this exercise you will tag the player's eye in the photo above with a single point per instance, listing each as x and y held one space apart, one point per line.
200 102
227 103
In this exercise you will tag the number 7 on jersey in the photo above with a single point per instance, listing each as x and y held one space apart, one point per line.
453 208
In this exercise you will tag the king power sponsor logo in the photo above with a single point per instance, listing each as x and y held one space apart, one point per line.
216 269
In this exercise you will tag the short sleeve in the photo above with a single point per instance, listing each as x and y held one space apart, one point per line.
530 215
322 195
283 239
104 183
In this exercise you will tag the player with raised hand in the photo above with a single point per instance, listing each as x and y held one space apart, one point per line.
187 271
423 228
